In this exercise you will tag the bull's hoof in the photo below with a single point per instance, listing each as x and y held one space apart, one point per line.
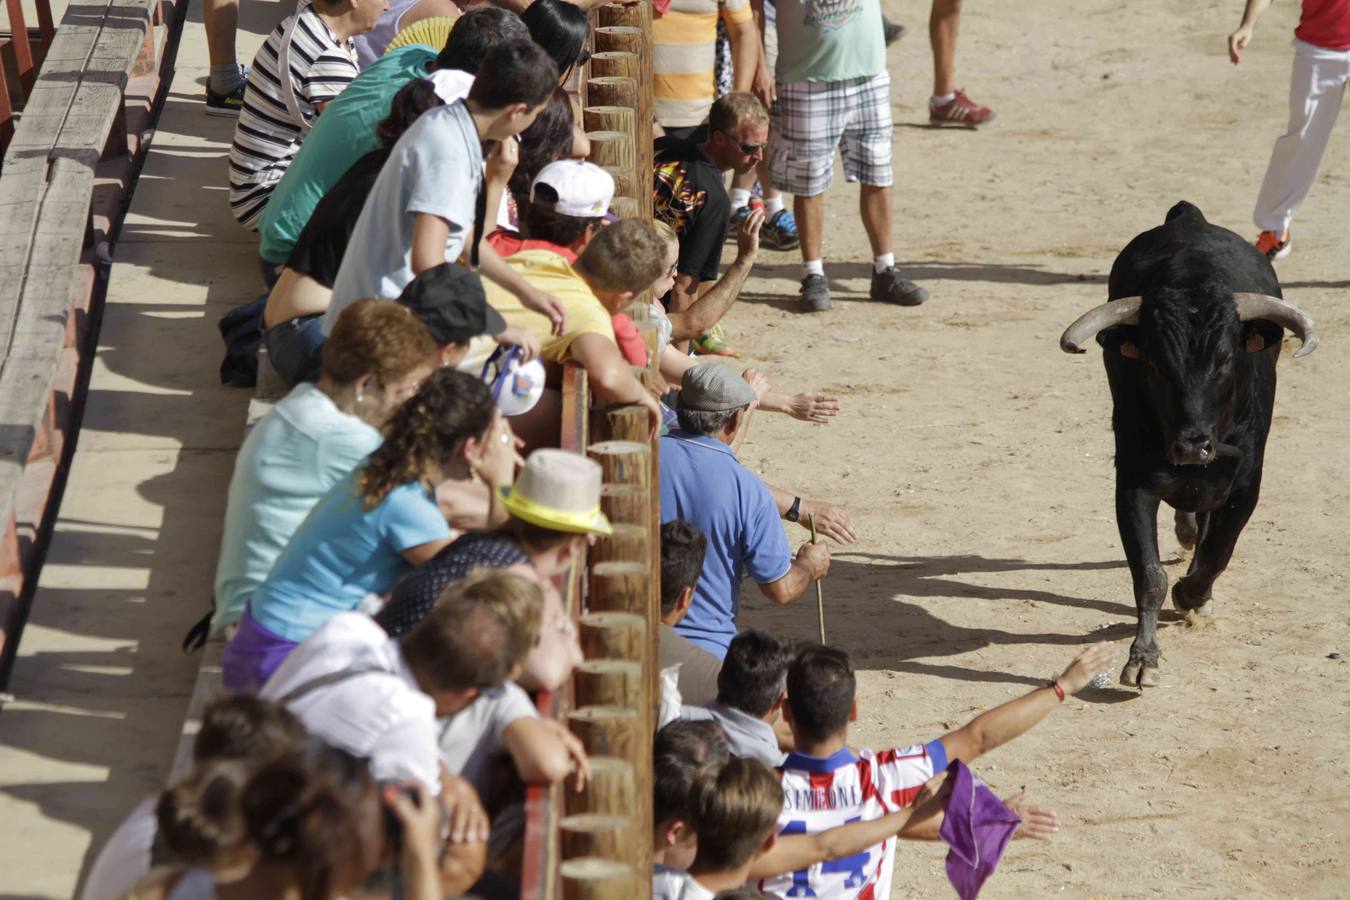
1138 674
1187 529
1187 599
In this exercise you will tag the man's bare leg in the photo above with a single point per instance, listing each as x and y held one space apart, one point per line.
946 105
889 285
810 213
944 21
874 204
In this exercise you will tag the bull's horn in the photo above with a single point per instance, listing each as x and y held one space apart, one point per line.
1282 313
1124 311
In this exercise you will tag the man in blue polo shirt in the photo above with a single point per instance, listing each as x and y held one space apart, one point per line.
702 482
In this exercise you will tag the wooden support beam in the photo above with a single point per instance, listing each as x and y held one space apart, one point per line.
616 63
611 788
606 730
613 635
592 878
619 587
623 462
612 91
628 543
602 835
608 118
626 503
612 149
608 682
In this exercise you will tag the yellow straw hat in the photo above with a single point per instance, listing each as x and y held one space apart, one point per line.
432 31
560 491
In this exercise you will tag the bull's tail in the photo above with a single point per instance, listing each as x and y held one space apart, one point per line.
1187 209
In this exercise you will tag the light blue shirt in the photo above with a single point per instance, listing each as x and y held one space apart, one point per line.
435 168
703 483
829 40
342 553
289 460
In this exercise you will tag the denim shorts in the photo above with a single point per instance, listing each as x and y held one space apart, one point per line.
295 348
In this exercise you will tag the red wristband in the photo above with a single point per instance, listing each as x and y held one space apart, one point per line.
1059 691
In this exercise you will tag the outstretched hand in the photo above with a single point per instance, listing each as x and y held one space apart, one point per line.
814 406
1237 42
1085 666
831 521
1038 822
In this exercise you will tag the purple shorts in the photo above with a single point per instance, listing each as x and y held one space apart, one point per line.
251 656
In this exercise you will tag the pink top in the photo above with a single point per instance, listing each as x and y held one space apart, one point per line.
1325 23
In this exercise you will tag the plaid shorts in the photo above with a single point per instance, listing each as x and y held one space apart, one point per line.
812 118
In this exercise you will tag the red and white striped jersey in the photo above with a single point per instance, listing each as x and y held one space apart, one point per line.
821 793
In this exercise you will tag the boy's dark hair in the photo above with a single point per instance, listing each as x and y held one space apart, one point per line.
682 752
413 99
735 810
560 27
683 547
754 672
475 34
247 729
540 224
821 686
515 71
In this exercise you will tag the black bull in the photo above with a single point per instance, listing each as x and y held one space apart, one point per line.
1190 335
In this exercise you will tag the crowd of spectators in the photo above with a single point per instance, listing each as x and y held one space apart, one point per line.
388 585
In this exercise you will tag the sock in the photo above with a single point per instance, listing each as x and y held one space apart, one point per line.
883 262
226 78
772 205
813 267
739 197
944 99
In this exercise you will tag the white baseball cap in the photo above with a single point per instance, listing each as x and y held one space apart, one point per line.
584 189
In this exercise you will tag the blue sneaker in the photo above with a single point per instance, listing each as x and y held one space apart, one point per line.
734 221
780 232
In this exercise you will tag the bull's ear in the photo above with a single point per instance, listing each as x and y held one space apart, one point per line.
1129 350
1256 342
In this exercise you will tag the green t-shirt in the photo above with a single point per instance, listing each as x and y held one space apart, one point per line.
829 40
341 135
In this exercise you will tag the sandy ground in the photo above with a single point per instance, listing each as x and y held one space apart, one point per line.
976 457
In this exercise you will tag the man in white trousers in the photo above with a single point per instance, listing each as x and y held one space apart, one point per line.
1321 69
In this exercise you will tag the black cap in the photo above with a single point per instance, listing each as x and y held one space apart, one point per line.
449 300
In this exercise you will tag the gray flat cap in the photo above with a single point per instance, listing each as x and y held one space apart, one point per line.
713 387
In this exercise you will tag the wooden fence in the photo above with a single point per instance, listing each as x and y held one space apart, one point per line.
66 178
596 844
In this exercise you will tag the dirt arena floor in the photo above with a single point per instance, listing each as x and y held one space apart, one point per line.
976 457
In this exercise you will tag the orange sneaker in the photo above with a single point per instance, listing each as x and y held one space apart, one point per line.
1274 246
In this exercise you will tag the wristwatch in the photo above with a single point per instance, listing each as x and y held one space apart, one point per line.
794 512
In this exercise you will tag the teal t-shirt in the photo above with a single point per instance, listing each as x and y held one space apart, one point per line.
343 552
827 40
342 135
290 459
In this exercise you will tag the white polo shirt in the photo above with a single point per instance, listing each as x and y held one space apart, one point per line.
364 699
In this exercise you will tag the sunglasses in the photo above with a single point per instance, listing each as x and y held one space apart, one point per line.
747 149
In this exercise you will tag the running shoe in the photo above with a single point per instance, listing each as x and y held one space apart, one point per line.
226 104
960 110
780 232
891 286
735 219
713 344
1273 245
815 294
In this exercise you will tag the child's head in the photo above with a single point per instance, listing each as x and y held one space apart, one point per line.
664 283
199 821
821 687
517 78
246 729
622 261
476 33
561 29
683 547
735 813
683 752
754 674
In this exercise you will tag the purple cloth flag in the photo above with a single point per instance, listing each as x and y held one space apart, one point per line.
976 829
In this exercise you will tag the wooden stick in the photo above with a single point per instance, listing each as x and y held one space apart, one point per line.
820 592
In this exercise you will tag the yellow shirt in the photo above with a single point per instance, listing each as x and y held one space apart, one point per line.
550 273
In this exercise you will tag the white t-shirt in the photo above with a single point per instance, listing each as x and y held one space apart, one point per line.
125 857
435 168
471 738
376 711
676 884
